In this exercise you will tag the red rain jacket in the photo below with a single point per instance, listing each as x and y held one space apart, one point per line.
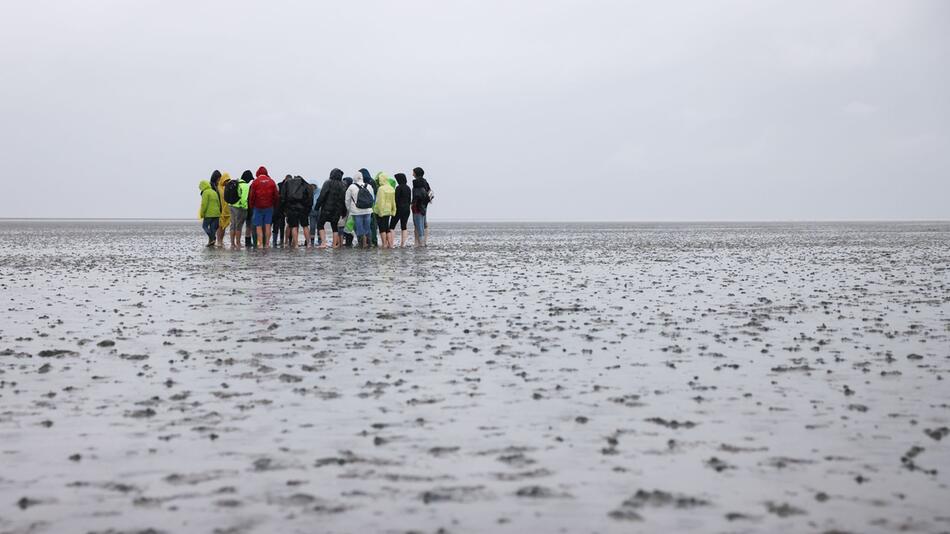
263 193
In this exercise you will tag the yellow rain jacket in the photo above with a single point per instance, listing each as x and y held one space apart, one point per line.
225 219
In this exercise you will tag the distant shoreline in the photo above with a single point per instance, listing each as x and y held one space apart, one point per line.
526 221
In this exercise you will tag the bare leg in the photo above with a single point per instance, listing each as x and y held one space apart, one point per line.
266 236
306 237
323 238
260 238
219 241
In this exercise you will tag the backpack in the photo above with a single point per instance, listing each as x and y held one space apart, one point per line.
296 191
265 190
364 199
420 196
232 193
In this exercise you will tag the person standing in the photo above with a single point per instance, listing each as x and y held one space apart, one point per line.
250 238
421 197
403 209
279 215
235 194
373 227
359 204
346 229
263 198
296 201
225 220
332 205
385 209
314 214
210 210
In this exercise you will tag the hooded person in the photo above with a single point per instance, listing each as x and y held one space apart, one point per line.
331 203
403 209
262 198
250 238
210 210
373 227
421 197
385 208
214 182
297 202
238 210
314 214
225 221
346 222
359 204
279 213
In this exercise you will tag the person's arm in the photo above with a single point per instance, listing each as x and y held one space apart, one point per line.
204 206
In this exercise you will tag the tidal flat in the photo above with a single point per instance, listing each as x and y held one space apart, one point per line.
508 378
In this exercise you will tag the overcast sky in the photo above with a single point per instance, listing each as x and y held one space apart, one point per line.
535 109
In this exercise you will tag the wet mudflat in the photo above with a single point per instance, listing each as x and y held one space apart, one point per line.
510 378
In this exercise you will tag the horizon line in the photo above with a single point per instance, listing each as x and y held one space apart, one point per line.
530 221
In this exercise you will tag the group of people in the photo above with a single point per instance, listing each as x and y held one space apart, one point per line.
362 209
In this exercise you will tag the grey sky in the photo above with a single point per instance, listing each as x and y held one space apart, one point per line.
537 109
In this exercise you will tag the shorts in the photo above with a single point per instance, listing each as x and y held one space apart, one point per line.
334 226
238 216
263 216
402 217
296 219
383 222
419 224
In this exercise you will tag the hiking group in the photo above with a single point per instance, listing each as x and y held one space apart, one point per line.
365 208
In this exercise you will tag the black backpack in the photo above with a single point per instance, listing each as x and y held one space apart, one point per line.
364 199
296 191
420 196
232 194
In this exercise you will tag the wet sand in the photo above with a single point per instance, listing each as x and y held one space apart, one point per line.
510 378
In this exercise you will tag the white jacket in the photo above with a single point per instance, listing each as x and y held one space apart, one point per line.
352 192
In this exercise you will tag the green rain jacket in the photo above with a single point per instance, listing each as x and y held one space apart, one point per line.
210 203
243 189
385 197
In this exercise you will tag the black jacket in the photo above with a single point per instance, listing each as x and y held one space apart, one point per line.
403 195
295 196
332 199
420 194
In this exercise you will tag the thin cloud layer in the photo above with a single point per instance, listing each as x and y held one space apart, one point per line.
539 110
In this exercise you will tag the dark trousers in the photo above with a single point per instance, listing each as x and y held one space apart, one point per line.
210 226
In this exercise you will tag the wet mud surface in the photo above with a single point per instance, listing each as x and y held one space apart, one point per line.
510 378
